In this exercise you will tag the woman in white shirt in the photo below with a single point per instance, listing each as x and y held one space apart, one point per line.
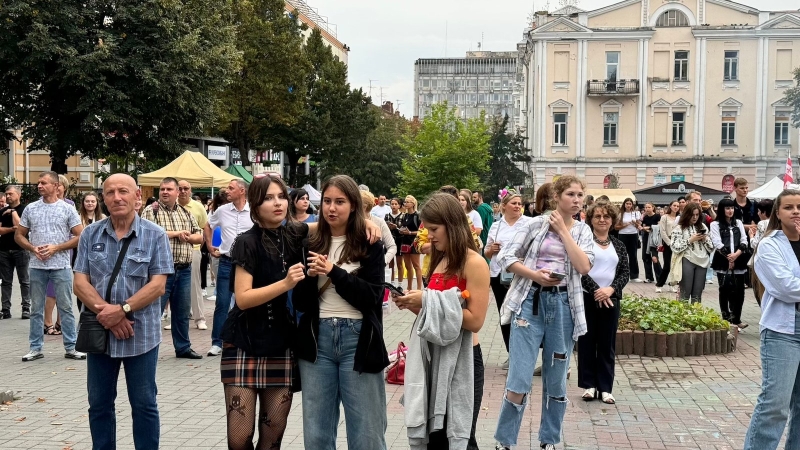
665 226
691 245
777 264
500 233
602 293
628 226
465 198
730 261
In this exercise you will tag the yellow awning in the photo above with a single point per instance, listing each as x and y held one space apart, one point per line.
615 196
192 167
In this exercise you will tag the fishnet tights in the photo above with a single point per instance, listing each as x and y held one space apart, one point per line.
240 407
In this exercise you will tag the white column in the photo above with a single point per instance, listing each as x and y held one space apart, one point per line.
699 83
543 99
640 75
583 98
700 108
644 95
758 149
764 49
580 112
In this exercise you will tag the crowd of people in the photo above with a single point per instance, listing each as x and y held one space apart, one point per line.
300 297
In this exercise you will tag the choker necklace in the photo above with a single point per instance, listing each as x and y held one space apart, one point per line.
604 243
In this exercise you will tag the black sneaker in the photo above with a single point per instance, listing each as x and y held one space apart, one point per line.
6 315
25 314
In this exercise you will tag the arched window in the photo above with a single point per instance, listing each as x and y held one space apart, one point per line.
672 18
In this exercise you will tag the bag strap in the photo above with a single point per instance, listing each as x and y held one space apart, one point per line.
125 244
324 287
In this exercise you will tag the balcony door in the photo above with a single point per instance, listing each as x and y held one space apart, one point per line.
612 70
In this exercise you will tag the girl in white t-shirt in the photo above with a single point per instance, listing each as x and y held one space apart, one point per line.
465 198
628 225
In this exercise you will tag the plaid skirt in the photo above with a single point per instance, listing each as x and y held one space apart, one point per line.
257 372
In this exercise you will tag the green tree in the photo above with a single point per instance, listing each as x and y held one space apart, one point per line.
792 96
269 88
445 150
104 77
508 153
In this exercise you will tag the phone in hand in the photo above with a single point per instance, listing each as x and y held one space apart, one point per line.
558 275
398 291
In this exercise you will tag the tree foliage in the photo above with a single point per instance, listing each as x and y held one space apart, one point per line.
445 150
104 77
508 155
792 96
269 88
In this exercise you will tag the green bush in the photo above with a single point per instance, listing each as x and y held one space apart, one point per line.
668 316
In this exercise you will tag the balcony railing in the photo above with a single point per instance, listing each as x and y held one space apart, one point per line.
612 87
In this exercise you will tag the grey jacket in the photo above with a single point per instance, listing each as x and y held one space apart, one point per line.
439 361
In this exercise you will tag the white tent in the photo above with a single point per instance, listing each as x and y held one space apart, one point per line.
313 195
770 189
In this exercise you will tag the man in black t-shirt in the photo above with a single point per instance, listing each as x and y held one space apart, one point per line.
12 255
744 209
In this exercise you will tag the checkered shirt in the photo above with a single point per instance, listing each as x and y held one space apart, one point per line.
525 246
175 219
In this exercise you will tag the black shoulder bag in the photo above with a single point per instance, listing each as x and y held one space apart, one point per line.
92 335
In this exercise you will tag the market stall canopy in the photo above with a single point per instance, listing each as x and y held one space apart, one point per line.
313 195
770 189
240 172
615 196
192 167
663 194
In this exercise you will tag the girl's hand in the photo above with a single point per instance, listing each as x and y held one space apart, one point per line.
319 264
294 275
412 300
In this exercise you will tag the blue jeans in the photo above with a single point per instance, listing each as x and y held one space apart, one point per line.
780 392
330 381
553 326
223 303
62 282
140 376
177 293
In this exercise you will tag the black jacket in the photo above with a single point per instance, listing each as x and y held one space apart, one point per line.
364 291
621 276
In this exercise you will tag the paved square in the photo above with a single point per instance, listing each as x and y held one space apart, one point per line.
697 402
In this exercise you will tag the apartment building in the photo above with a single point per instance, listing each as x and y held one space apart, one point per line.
651 91
481 81
315 21
25 166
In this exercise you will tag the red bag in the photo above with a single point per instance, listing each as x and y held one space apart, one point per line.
396 374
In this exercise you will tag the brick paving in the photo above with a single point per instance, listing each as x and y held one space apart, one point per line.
697 402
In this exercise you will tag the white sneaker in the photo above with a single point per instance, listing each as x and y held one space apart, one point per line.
674 289
637 280
32 356
709 281
204 293
211 298
215 350
168 327
201 325
74 354
658 290
164 316
504 366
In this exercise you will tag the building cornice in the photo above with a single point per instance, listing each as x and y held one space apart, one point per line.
594 35
735 6
750 33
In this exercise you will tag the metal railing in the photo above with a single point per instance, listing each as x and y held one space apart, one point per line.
612 87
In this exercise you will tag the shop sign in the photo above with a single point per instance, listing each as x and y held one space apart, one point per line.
727 183
659 179
217 153
680 177
680 190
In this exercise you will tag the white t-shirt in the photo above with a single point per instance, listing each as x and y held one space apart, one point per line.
605 265
381 211
630 217
477 222
503 233
331 304
50 223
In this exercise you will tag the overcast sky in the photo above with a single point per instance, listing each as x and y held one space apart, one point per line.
386 37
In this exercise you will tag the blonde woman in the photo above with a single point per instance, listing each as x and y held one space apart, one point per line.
408 231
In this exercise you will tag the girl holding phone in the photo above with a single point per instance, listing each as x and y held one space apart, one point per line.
692 246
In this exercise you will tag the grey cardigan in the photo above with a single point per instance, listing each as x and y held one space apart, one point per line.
439 361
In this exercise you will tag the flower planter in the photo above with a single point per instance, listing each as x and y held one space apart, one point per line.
638 343
672 344
706 342
698 343
722 341
627 342
688 339
661 345
649 343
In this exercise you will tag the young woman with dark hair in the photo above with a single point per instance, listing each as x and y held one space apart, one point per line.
394 220
730 261
665 226
764 211
340 334
300 206
465 199
691 245
628 225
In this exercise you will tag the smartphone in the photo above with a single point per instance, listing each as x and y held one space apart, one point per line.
703 231
558 275
394 289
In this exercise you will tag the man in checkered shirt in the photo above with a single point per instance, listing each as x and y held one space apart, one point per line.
183 232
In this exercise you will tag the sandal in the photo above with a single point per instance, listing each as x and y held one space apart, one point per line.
51 331
608 398
589 394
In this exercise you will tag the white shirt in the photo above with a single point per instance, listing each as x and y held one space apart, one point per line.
716 239
477 222
503 233
605 265
629 217
381 211
232 222
331 304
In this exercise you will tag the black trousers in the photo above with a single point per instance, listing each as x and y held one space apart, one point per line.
731 297
652 270
500 292
438 439
631 242
662 279
204 261
597 348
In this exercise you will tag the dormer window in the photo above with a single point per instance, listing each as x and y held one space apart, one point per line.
672 18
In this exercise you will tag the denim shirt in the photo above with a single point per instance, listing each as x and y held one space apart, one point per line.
778 270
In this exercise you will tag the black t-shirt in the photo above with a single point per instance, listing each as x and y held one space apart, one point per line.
649 221
747 213
796 249
7 241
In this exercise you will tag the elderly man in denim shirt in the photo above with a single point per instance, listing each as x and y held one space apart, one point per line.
132 314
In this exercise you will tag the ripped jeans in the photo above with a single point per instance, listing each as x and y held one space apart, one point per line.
552 326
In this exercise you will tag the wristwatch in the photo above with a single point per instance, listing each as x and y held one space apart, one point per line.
126 308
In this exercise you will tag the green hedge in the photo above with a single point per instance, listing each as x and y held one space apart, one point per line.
668 316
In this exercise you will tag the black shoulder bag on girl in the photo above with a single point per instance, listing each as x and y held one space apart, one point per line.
92 335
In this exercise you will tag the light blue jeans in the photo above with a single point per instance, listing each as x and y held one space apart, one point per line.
780 392
62 282
553 326
330 381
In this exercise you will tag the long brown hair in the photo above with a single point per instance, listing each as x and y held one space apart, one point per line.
355 246
98 210
774 222
685 221
467 194
257 193
444 210
544 198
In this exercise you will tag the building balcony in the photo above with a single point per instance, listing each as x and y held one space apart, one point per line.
612 88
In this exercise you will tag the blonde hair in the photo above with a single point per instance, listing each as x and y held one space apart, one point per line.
369 201
413 200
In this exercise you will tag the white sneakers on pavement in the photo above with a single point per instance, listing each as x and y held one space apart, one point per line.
32 356
658 290
168 326
76 355
201 325
215 350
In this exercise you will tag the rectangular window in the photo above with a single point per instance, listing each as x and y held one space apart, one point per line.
731 65
783 64
729 131
681 66
560 129
678 128
782 129
612 66
610 121
426 83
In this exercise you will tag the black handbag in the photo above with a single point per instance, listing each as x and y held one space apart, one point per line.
92 335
